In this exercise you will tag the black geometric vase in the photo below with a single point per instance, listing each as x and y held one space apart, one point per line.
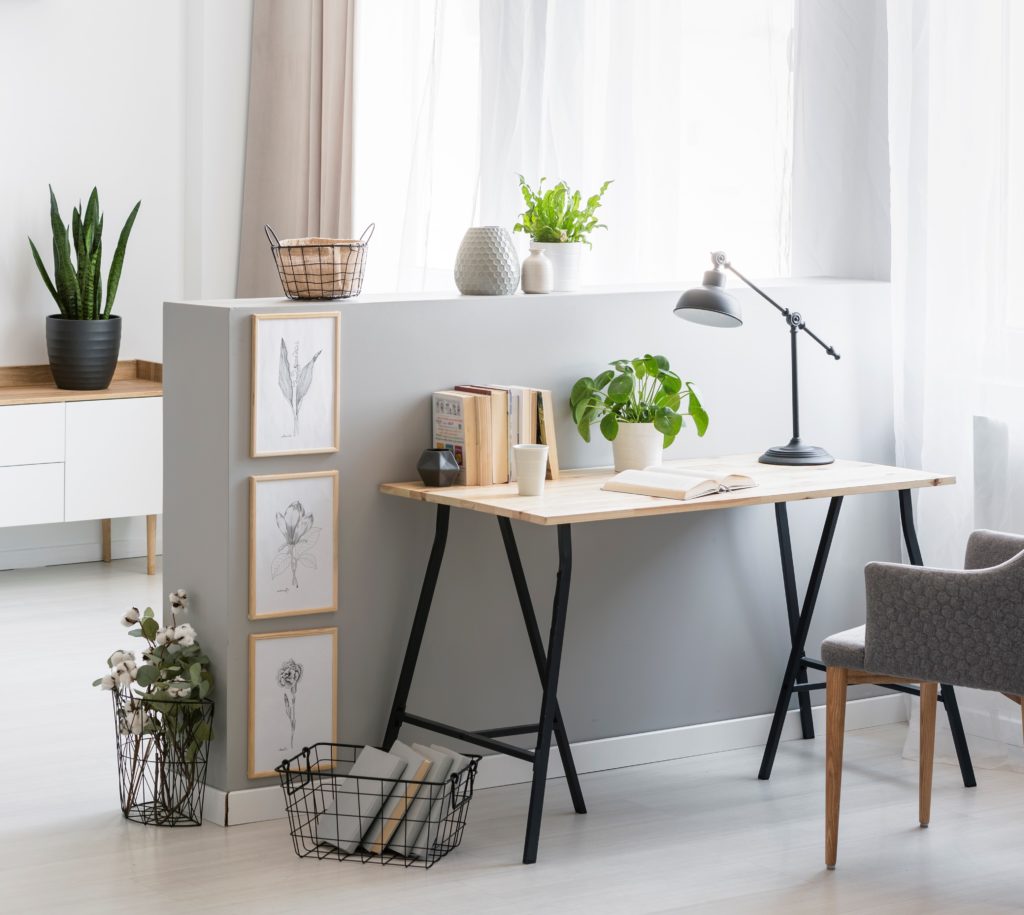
438 467
83 354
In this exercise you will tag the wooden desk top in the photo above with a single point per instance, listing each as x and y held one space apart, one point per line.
577 496
23 384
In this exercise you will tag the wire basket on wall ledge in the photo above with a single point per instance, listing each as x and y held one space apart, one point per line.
320 268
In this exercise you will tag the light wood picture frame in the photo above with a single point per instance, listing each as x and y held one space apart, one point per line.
293 695
293 544
296 383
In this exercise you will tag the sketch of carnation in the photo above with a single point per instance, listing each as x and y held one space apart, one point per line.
288 678
294 382
299 538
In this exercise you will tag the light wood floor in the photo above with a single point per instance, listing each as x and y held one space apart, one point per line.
695 835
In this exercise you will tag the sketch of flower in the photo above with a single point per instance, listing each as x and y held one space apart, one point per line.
299 538
294 382
288 678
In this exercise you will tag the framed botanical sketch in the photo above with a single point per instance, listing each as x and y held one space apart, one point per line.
293 695
293 544
296 375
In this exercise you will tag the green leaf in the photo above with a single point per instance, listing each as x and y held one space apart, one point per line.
195 673
670 381
581 390
147 613
620 388
668 423
601 381
640 367
150 627
583 426
204 689
118 262
46 276
697 411
662 363
147 675
610 426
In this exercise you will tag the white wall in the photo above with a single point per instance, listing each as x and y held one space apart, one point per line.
145 101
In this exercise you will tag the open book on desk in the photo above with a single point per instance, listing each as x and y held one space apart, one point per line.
668 482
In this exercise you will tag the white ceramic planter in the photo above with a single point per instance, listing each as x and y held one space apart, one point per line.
636 446
487 263
565 258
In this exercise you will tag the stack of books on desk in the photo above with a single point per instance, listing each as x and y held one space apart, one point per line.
480 424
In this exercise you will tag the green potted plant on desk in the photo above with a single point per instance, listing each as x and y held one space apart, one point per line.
638 405
560 223
84 339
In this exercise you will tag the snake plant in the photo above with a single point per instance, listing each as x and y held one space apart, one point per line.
78 288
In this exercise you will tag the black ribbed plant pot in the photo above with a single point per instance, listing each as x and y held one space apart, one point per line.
83 354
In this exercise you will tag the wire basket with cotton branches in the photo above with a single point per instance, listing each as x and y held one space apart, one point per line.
164 717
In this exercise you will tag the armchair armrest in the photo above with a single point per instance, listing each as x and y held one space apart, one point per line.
964 628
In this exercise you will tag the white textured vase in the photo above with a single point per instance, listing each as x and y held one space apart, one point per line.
636 446
487 263
566 258
538 274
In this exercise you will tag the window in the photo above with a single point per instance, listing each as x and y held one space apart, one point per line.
688 106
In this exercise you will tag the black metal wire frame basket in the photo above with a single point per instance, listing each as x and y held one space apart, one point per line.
320 268
162 751
332 814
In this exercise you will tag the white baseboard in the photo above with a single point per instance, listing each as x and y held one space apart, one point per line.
55 554
253 805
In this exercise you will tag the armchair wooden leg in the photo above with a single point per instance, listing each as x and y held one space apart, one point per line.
151 544
929 698
835 724
105 532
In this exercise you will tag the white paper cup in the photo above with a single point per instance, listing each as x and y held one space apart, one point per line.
531 468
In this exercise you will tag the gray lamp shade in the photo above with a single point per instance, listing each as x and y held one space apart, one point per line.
710 304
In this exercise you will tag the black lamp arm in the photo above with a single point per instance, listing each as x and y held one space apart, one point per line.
795 321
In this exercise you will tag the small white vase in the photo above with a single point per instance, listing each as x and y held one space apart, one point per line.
636 446
565 258
487 263
538 274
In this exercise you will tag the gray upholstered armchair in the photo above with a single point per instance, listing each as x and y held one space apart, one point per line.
928 626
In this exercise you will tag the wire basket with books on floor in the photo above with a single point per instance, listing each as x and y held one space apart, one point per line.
406 807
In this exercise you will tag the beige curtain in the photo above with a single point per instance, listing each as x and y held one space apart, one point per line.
298 151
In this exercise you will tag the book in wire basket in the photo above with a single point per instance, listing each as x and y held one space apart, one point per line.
405 807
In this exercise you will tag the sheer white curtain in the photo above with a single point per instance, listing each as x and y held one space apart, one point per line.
688 106
956 123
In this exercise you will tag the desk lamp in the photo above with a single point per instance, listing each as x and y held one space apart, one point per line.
711 305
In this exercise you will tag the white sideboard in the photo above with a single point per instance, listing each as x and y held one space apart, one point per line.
82 455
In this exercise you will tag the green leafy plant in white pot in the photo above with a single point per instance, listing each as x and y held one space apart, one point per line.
638 404
83 340
560 222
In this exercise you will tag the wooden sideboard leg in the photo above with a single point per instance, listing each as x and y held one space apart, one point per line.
105 530
151 544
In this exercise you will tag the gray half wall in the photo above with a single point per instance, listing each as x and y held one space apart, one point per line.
672 621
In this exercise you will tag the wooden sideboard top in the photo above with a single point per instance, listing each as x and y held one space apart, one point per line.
23 384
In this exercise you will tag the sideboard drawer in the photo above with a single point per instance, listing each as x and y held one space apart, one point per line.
31 494
31 434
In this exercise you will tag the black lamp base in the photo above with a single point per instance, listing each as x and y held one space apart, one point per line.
796 452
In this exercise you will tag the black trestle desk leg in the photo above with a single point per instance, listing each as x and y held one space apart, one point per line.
419 625
549 702
947 695
515 564
796 653
793 611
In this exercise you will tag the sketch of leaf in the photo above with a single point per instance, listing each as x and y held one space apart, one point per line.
280 563
284 374
305 379
307 560
307 542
